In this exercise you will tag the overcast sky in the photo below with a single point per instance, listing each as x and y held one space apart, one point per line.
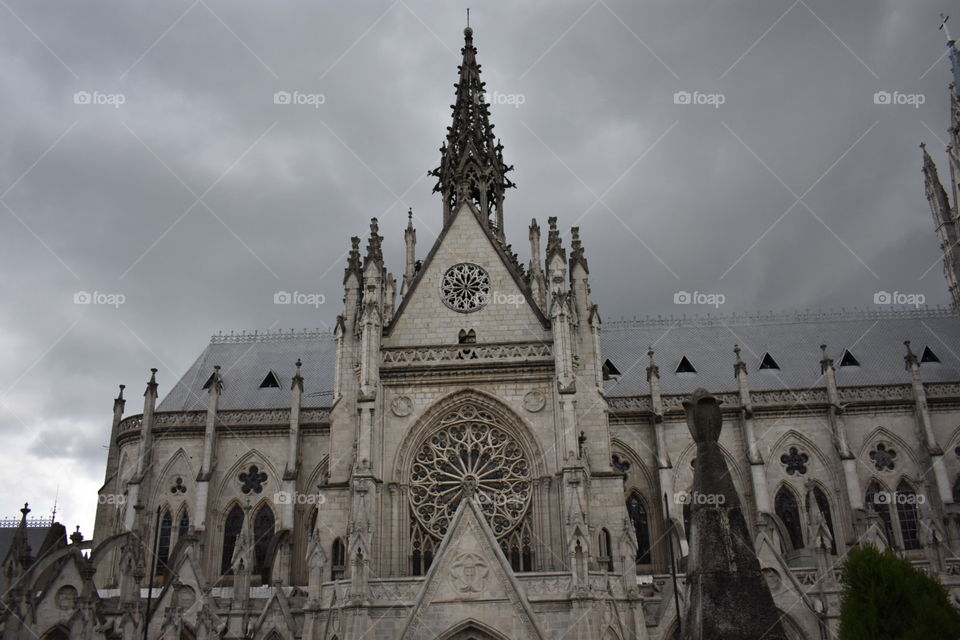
142 155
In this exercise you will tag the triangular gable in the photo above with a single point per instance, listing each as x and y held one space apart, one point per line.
464 216
275 616
471 578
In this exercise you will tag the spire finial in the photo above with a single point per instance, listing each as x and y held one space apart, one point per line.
468 17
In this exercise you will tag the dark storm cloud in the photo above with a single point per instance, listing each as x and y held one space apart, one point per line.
198 197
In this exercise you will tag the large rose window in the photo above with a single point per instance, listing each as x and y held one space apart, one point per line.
469 454
465 287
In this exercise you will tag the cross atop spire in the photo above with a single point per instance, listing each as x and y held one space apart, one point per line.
471 164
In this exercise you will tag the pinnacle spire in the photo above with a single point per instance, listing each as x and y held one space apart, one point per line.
471 163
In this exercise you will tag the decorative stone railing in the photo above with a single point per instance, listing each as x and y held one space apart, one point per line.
457 354
244 417
797 397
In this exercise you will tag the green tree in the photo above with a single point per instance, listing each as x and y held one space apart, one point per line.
886 598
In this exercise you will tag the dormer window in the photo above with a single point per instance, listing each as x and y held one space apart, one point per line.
928 356
209 382
610 372
685 366
270 381
767 362
848 360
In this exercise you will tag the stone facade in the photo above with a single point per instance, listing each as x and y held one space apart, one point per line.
463 458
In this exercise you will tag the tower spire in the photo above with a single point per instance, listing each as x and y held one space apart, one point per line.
471 161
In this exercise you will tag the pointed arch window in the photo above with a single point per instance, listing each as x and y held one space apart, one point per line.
906 499
878 501
517 548
232 527
263 525
637 511
183 527
605 557
163 544
823 503
338 559
785 505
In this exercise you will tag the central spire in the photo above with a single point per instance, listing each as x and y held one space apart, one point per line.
471 163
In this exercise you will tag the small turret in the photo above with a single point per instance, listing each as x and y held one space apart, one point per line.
410 240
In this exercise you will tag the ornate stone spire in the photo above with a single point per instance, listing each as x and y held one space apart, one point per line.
374 244
945 223
576 250
353 260
471 164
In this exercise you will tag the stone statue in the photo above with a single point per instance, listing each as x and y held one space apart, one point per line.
728 596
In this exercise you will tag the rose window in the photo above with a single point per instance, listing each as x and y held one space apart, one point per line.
469 455
465 287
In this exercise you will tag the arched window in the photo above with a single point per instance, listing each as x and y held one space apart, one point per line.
183 527
262 534
57 633
824 505
605 556
516 547
232 527
878 501
163 544
907 515
641 526
338 559
785 504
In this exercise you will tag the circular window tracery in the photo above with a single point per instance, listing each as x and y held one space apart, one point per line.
465 287
469 454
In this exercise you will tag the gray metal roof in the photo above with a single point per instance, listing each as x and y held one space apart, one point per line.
793 340
246 359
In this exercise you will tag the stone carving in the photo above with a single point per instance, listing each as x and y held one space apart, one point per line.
729 596
401 406
455 353
795 462
534 401
469 572
883 457
263 417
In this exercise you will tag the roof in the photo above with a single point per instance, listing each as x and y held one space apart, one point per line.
874 338
246 359
36 533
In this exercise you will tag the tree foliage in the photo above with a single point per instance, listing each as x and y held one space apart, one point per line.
887 598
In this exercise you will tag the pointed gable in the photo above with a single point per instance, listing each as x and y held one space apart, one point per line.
507 314
471 578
